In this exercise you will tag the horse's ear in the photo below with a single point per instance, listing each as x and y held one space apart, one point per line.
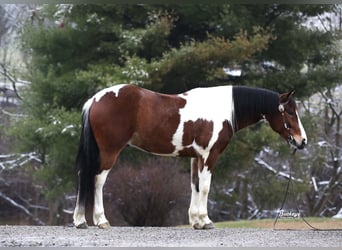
284 98
291 93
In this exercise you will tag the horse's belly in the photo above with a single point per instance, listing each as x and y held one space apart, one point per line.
152 143
160 146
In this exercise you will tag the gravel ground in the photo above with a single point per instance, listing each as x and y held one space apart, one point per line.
164 237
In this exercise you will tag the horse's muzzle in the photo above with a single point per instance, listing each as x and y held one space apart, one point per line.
293 142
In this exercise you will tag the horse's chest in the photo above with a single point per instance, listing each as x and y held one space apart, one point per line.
202 119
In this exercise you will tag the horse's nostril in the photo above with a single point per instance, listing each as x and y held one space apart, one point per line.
301 146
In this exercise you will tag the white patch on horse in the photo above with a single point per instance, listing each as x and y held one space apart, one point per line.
204 179
302 130
115 89
87 105
97 97
210 104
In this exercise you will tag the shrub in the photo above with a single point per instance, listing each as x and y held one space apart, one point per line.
156 193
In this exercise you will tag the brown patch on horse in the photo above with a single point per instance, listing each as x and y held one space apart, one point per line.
156 122
223 139
199 132
188 152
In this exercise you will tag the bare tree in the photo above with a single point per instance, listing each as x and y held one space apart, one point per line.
11 164
325 195
319 168
12 19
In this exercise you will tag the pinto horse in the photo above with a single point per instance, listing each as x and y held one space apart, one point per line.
197 124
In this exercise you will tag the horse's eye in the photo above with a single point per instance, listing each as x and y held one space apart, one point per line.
291 113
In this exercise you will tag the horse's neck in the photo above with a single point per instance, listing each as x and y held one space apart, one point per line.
245 123
252 104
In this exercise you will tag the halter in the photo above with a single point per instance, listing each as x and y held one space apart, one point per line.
286 126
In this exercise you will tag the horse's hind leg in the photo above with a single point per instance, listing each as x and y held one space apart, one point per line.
107 162
99 217
79 215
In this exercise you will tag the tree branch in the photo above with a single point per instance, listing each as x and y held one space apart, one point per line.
11 78
22 208
265 165
329 101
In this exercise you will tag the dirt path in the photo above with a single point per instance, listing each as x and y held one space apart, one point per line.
164 237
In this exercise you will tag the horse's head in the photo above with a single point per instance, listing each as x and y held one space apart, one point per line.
287 123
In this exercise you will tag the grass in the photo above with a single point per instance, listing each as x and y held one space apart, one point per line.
298 223
321 223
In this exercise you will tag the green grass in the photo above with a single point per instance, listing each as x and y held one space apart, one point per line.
323 223
268 222
240 223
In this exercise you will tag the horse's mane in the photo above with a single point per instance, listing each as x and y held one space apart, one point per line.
249 102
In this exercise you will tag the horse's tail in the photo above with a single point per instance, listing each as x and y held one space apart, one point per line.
87 161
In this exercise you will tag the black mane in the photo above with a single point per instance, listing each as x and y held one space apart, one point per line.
251 102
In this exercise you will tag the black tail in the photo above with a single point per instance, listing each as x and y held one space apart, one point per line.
87 162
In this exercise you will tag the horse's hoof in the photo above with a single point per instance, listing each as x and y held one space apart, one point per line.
105 225
83 225
206 226
209 226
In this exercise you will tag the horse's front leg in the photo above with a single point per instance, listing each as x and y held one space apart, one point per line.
99 217
194 203
200 185
204 187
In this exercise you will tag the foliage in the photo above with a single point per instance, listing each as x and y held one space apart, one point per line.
145 195
198 63
55 138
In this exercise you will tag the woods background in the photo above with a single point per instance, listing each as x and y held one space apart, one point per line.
53 57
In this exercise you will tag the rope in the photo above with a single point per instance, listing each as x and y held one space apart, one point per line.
297 207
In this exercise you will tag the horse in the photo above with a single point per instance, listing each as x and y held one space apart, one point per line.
198 124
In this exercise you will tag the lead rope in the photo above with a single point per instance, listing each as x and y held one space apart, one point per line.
300 214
